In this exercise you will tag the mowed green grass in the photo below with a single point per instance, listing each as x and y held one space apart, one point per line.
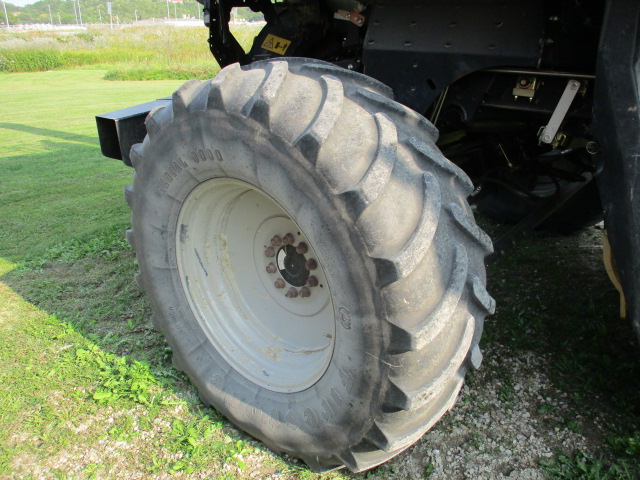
54 182
87 389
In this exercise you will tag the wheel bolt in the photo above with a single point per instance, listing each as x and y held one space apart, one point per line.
279 283
270 252
292 293
271 268
302 248
276 241
311 264
305 292
312 281
288 239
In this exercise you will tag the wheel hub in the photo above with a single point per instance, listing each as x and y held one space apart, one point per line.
291 266
255 285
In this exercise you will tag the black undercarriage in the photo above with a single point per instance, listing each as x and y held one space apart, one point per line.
489 75
511 85
536 100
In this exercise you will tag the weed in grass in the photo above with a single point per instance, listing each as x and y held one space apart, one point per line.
626 443
476 439
91 471
574 426
429 470
506 393
547 409
196 440
120 378
105 244
583 466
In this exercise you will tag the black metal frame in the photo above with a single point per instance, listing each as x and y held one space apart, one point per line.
537 217
223 45
419 49
464 37
617 129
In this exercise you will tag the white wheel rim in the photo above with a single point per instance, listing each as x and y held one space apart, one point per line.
224 232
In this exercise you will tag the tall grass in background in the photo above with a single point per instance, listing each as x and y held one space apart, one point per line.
133 53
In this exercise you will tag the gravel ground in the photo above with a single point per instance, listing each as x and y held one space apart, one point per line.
488 435
533 399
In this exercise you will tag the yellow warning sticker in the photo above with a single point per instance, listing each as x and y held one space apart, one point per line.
276 44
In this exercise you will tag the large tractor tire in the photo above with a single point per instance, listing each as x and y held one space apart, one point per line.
310 257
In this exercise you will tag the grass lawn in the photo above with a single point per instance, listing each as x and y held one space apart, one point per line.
55 183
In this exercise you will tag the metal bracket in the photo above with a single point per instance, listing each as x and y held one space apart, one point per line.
526 87
354 17
223 45
549 132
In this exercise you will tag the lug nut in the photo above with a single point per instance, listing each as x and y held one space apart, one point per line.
271 268
312 281
311 264
292 293
270 252
592 147
276 241
279 283
305 292
302 248
288 239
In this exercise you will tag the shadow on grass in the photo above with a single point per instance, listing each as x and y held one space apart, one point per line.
555 299
98 296
47 132
63 190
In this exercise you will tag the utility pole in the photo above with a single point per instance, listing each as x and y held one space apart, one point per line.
59 19
79 12
74 11
175 10
6 17
168 14
50 17
136 12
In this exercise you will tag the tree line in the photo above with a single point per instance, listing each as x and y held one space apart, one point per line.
96 11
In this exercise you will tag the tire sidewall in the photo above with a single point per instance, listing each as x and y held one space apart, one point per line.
337 409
